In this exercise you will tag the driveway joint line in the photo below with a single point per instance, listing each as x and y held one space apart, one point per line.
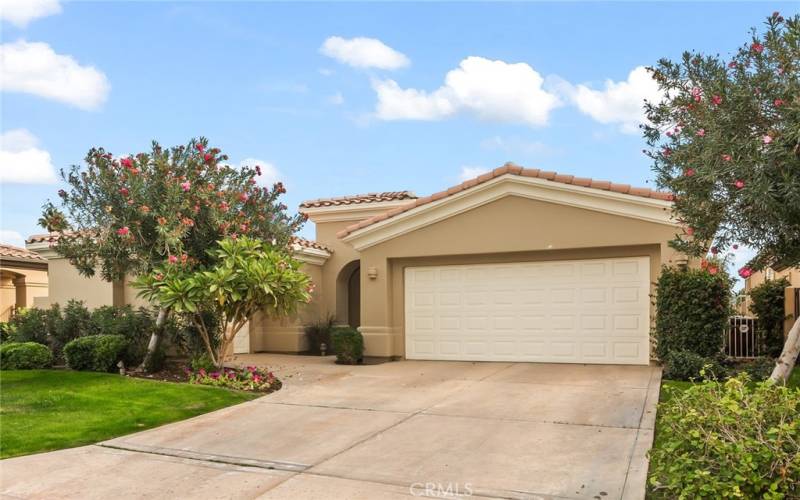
509 419
638 433
207 457
332 407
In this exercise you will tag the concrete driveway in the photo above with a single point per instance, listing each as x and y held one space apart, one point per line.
395 430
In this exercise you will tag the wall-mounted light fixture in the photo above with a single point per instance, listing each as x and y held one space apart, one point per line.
372 273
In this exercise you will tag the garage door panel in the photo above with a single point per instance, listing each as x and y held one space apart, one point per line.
592 311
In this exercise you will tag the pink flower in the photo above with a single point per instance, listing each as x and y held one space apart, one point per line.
732 64
701 132
159 276
717 100
126 162
697 94
256 379
727 157
208 157
757 47
123 231
778 102
202 371
712 270
243 197
690 172
186 185
667 152
735 247
739 184
123 191
172 259
690 231
767 139
745 272
714 250
200 147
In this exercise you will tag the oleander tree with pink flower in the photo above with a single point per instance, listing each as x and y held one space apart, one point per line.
125 216
725 139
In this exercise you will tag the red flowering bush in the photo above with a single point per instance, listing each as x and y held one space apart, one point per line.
249 379
127 216
725 140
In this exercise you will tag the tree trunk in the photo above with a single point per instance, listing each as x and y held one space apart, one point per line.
791 348
155 338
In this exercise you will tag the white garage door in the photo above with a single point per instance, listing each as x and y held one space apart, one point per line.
580 311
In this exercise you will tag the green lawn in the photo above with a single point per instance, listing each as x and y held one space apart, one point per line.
43 410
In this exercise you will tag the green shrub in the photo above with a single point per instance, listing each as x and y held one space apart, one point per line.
728 439
319 333
348 344
768 305
202 362
686 365
692 309
98 353
5 332
136 325
31 325
757 369
24 356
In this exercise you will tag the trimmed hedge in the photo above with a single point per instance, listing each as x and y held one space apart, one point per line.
692 310
733 439
768 305
24 356
99 353
348 344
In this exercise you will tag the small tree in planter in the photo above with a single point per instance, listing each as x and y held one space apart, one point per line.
725 140
128 215
245 276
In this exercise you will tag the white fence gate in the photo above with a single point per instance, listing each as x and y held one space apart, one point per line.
742 339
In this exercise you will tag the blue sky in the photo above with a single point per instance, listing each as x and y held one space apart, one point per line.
441 90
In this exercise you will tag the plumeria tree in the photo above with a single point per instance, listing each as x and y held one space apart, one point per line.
245 276
123 216
725 139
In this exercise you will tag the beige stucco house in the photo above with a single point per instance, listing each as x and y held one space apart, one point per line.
23 279
516 265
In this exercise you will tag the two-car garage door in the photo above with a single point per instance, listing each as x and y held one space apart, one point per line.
580 311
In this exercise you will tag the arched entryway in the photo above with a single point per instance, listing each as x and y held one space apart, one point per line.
348 295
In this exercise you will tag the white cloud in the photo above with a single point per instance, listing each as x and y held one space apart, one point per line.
469 172
21 12
269 173
34 68
620 102
12 238
491 90
336 99
22 162
363 52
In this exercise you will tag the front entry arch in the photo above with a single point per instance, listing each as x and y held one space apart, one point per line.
348 295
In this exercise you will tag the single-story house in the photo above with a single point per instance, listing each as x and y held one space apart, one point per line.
23 279
517 264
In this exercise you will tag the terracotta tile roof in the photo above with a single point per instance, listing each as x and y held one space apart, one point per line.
40 238
510 168
359 198
310 244
17 253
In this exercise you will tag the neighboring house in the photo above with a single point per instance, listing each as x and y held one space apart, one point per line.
515 265
23 279
791 294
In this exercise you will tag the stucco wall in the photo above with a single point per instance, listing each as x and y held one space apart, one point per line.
343 254
66 283
509 229
20 286
288 334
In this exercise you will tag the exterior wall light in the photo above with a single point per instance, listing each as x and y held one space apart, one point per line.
372 273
